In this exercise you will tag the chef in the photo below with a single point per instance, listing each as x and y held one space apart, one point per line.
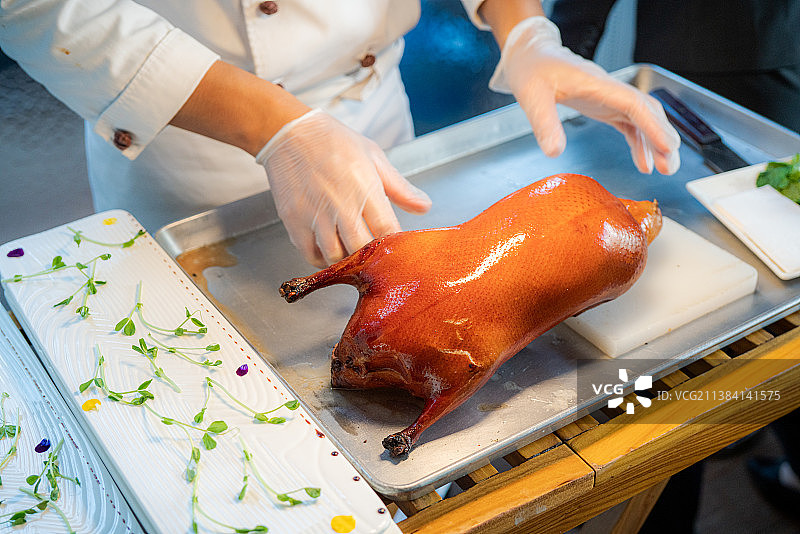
190 105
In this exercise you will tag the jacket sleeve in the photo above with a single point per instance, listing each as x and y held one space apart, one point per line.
117 64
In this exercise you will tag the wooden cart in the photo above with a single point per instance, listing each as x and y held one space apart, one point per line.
610 457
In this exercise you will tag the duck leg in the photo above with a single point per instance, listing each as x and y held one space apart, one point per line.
401 442
345 271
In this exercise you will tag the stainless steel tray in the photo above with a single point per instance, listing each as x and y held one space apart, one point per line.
465 168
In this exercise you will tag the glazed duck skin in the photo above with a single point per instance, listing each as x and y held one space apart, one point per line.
440 310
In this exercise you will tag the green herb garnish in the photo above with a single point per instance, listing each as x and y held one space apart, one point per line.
89 286
127 326
99 380
198 511
150 353
783 176
259 416
51 474
78 237
10 431
180 352
285 497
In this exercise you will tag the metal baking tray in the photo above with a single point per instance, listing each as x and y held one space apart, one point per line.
465 168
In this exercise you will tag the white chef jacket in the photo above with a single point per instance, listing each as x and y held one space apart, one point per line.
128 66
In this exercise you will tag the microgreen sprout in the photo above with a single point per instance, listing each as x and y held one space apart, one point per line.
150 353
57 264
216 428
285 497
259 416
245 477
194 452
99 380
20 517
198 418
78 237
180 351
181 331
51 473
89 286
143 395
127 326
10 431
197 511
45 503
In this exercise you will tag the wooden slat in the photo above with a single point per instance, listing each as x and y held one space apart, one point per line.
532 449
413 507
715 358
638 508
626 458
509 499
644 457
626 517
611 413
610 449
779 327
480 474
696 368
794 318
748 343
571 430
674 379
759 336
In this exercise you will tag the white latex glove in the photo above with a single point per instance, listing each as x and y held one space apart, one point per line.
540 72
332 187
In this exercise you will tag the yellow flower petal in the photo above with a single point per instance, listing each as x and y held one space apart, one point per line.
91 404
343 523
109 221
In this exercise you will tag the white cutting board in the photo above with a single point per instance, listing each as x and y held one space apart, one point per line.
686 277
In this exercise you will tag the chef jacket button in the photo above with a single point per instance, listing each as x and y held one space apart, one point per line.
368 61
122 139
268 8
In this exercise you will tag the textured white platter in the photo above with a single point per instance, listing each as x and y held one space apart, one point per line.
715 193
147 458
94 506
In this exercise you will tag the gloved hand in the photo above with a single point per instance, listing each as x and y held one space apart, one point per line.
540 72
332 187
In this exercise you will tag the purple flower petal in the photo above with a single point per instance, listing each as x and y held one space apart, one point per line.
16 253
242 370
42 446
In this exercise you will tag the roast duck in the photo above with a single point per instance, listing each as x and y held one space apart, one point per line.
441 309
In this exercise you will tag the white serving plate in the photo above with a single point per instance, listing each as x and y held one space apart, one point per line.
97 504
147 458
715 192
